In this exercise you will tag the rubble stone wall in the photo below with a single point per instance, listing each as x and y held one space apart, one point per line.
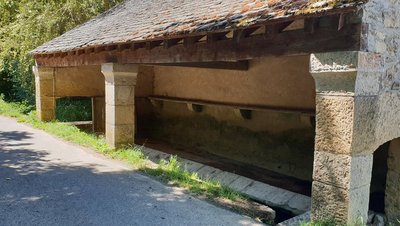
381 35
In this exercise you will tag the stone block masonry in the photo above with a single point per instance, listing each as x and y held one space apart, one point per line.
45 93
120 82
358 105
381 22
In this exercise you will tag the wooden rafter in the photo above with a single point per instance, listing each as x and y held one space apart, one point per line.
218 48
240 65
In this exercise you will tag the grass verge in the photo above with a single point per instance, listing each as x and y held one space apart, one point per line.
167 171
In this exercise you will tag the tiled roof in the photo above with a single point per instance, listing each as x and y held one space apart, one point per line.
138 20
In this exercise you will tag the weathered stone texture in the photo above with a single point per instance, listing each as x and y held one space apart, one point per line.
364 125
334 72
388 117
344 205
334 123
369 74
334 62
120 81
45 93
354 123
91 81
392 197
343 171
349 91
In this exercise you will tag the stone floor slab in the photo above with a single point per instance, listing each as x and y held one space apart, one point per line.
296 221
226 178
261 192
208 172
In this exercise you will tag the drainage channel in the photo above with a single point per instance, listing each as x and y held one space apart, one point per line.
286 204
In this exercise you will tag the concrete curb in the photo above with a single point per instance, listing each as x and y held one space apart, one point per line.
295 203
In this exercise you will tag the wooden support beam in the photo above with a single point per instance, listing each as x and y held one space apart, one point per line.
242 107
311 25
214 37
273 29
240 65
138 45
99 49
240 34
168 43
312 39
152 44
111 48
190 41
123 47
342 21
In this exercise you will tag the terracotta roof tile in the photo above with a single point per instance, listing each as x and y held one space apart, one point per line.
136 20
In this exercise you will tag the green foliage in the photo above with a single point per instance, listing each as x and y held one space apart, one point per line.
74 109
26 24
326 222
168 171
331 222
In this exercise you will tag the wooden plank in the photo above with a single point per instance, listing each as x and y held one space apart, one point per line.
240 65
309 112
295 42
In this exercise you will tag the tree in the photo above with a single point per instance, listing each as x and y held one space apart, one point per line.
26 24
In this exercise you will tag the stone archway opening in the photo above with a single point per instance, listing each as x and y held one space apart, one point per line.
385 183
378 181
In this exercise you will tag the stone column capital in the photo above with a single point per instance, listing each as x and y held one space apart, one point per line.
43 73
120 74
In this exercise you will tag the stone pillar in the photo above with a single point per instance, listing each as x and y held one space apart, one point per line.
99 114
120 81
344 136
45 93
392 197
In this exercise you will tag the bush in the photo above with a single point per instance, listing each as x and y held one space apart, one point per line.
26 24
74 109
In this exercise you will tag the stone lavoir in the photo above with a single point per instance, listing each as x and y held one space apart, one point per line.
305 91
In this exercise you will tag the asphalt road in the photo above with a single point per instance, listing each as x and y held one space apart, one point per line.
45 181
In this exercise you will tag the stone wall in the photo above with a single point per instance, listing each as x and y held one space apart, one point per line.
392 198
273 81
90 81
381 35
282 142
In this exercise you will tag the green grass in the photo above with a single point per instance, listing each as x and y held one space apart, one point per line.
320 223
331 222
74 109
168 171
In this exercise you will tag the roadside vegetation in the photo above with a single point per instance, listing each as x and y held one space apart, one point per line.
319 223
331 222
74 109
167 171
25 25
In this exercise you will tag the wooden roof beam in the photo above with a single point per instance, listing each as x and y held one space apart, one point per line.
239 65
312 39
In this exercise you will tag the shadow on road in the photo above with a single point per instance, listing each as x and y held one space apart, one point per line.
40 188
